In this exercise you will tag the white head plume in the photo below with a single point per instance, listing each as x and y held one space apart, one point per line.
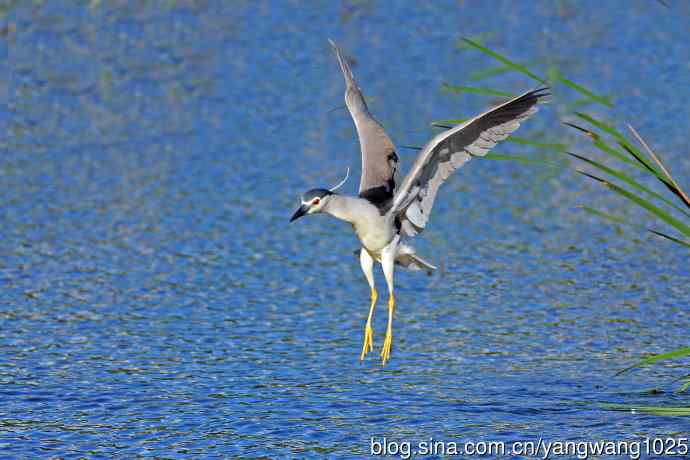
347 174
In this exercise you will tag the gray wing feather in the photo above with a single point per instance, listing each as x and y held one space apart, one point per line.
379 160
450 150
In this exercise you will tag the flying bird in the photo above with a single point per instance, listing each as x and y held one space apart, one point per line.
385 214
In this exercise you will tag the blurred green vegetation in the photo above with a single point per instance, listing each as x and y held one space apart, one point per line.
626 158
623 164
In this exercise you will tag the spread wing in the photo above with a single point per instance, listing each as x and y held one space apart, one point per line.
379 159
451 149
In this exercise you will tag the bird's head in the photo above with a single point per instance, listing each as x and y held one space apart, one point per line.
313 201
316 199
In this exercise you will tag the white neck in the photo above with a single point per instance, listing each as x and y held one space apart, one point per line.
347 208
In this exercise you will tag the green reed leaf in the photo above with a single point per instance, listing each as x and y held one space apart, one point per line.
558 77
620 220
630 181
475 90
651 410
484 74
538 144
516 67
679 353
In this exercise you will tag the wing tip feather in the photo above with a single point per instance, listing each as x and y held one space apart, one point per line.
344 66
537 94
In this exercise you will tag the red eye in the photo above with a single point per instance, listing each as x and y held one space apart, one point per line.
315 202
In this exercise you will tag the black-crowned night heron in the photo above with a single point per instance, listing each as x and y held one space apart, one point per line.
383 213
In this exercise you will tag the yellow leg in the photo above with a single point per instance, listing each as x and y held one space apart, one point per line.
388 342
368 331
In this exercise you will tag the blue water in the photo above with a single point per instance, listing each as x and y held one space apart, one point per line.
155 303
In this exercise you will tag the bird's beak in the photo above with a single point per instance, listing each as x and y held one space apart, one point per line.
302 210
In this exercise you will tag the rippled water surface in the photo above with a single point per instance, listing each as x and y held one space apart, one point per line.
154 301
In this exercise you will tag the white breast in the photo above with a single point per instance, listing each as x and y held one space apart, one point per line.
374 231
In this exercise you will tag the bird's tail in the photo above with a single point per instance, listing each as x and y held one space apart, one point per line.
408 258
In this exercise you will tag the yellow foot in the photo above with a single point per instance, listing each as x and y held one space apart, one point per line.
387 345
368 341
